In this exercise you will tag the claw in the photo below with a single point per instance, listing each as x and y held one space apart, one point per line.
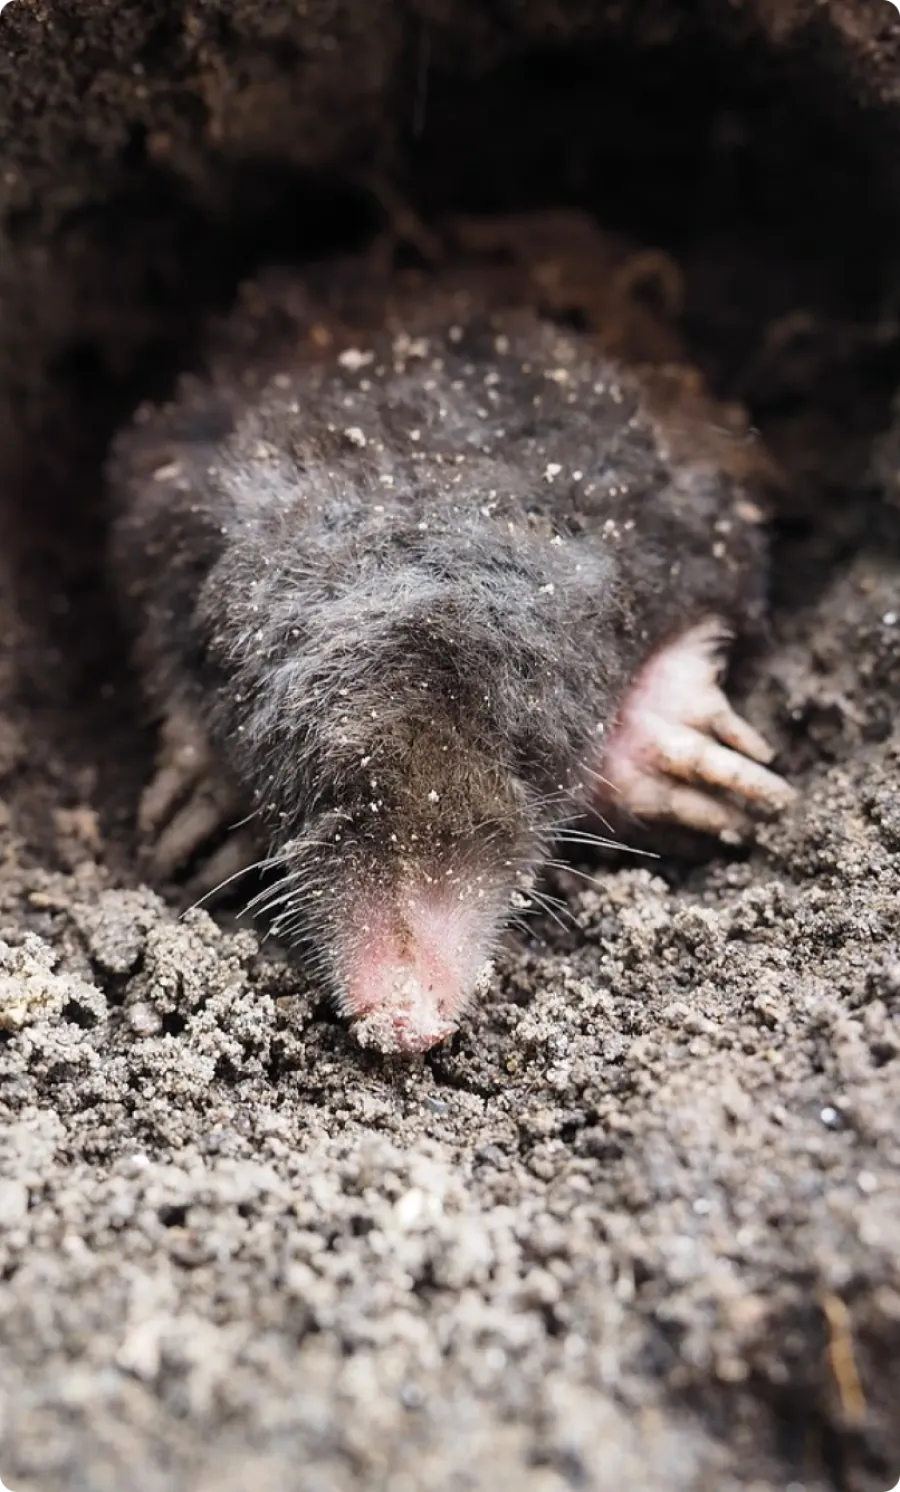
183 759
691 756
231 860
662 799
732 730
207 809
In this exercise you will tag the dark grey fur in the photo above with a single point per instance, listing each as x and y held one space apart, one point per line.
344 602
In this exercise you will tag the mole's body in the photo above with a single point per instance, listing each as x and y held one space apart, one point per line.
411 602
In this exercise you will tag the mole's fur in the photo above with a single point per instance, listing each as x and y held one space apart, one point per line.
391 596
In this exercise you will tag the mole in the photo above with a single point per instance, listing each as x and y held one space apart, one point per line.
413 597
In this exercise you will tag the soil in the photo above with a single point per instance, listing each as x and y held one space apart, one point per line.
639 1223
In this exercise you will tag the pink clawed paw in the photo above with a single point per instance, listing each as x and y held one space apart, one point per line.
187 803
679 752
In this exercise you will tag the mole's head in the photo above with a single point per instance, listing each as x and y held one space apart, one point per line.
414 731
401 878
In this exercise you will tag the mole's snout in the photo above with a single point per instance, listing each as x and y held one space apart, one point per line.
411 963
405 1011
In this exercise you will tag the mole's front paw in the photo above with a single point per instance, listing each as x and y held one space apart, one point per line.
679 752
187 804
